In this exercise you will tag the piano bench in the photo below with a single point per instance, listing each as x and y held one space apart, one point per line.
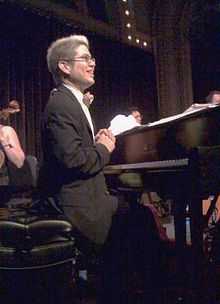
36 260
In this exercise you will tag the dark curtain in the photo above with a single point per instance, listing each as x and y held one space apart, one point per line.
205 42
125 76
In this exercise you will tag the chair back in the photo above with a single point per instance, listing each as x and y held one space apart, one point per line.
26 176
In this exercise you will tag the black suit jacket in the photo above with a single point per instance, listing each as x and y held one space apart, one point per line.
72 167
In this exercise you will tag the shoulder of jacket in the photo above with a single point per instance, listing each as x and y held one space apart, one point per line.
62 102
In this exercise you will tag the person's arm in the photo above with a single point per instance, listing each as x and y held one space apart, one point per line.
65 140
11 146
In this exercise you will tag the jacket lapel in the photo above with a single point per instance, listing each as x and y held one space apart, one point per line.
74 99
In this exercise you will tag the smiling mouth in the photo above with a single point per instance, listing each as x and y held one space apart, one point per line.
91 75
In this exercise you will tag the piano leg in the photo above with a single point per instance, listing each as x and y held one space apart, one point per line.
198 258
203 163
179 211
189 256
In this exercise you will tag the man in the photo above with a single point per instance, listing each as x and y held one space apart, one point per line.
135 112
72 173
73 156
212 100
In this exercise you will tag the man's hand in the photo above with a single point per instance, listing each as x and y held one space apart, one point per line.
107 133
106 138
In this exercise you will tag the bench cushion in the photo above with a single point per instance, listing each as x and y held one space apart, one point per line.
32 242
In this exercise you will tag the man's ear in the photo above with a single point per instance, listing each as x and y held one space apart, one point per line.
64 67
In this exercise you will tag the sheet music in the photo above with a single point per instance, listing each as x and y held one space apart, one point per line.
121 123
196 107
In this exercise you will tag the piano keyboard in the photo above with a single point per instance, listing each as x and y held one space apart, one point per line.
174 163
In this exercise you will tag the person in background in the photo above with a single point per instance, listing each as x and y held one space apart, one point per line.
72 176
9 142
212 100
135 112
11 156
213 97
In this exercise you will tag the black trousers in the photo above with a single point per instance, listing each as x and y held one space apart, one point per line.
131 253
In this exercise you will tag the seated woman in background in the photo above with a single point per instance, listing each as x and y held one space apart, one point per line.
12 156
10 145
9 142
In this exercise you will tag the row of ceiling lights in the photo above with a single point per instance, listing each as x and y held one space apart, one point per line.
128 25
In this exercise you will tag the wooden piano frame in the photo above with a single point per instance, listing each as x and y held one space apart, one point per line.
187 170
188 182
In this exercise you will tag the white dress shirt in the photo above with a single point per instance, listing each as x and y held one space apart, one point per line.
79 97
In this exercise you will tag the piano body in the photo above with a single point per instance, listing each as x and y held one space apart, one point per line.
168 139
166 144
178 157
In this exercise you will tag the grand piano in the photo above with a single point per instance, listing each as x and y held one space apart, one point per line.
179 157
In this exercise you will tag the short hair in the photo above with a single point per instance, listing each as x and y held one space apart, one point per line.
211 93
133 109
63 48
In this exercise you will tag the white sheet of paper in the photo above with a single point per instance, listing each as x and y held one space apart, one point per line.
196 107
121 123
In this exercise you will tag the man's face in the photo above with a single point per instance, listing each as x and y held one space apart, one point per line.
137 115
216 98
82 69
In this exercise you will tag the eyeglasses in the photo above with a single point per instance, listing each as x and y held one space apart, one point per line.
87 59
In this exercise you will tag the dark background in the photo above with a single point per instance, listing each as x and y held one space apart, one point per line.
205 46
125 75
